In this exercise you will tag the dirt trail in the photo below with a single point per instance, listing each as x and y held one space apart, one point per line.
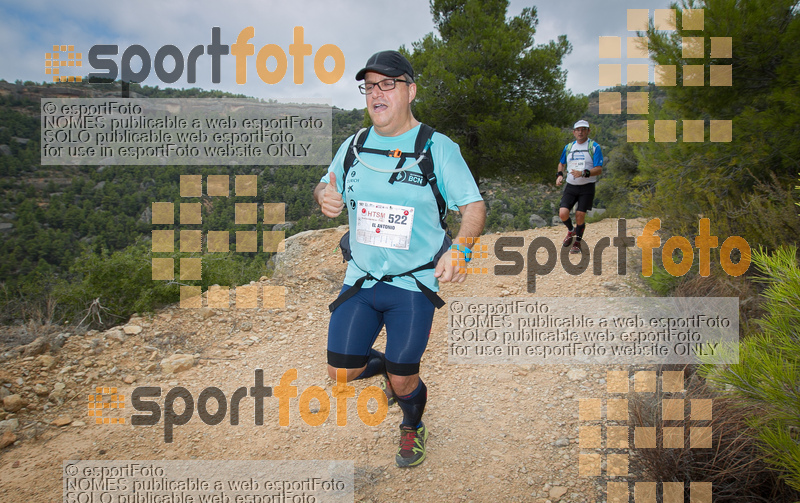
498 432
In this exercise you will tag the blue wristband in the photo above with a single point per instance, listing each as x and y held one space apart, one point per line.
463 249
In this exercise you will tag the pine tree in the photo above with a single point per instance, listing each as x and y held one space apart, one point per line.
485 84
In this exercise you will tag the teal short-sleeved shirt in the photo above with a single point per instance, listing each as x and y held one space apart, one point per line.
366 187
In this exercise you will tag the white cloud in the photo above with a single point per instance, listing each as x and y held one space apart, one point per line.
358 28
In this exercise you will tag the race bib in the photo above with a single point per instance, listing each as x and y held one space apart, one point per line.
578 164
384 225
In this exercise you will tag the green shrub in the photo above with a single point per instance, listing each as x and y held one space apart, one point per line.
661 281
734 466
767 377
109 287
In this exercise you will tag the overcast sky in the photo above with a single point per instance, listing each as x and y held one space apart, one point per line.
29 29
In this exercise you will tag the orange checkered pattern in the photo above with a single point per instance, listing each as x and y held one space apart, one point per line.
698 53
606 427
62 57
192 240
102 400
477 250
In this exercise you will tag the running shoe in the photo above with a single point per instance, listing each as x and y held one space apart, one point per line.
412 446
576 248
569 238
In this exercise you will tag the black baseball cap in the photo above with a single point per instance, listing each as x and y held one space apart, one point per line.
389 63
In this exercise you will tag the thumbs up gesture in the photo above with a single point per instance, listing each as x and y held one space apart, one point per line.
329 198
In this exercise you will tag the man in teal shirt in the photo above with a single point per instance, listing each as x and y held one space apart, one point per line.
394 229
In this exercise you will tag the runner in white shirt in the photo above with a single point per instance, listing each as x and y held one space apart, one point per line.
583 161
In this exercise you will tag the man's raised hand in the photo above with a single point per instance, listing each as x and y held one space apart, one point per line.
332 203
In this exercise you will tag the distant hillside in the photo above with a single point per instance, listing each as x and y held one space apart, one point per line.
55 220
52 216
609 129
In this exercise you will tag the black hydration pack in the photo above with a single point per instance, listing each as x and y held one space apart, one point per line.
421 153
421 147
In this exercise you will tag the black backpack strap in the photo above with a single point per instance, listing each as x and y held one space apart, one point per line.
425 134
358 142
426 166
348 293
427 292
350 156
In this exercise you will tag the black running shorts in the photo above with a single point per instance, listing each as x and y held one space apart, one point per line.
582 194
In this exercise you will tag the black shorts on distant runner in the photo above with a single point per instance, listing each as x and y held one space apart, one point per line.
583 194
